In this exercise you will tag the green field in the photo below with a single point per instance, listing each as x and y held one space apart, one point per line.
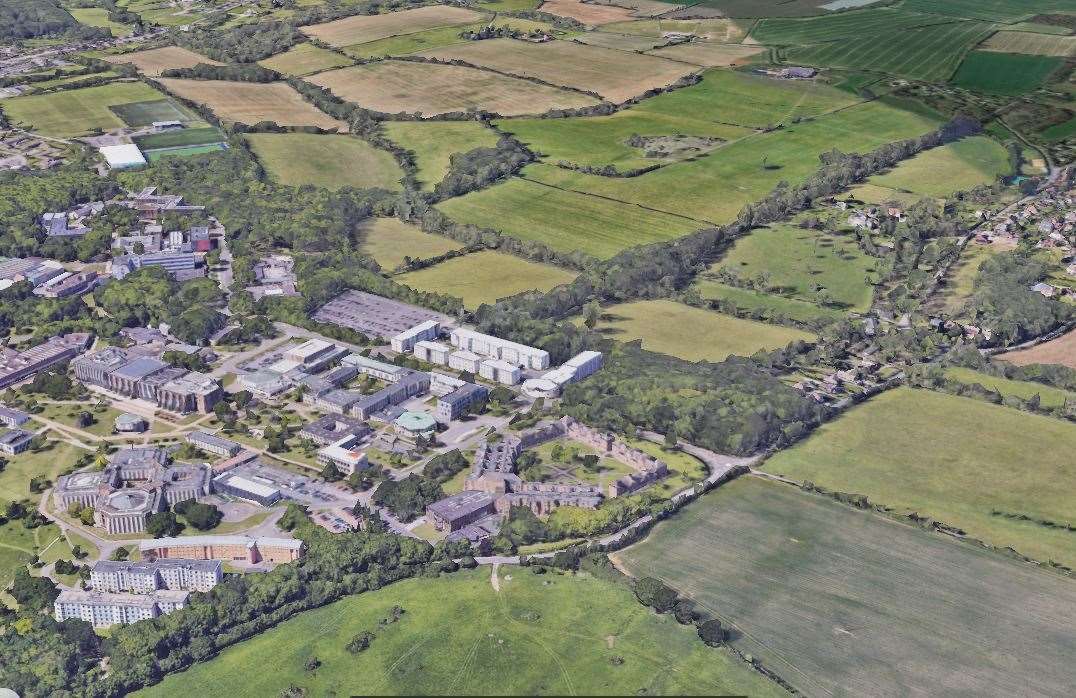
990 10
664 328
98 17
145 113
458 636
183 151
1049 396
187 136
434 142
768 304
960 281
389 240
483 277
77 112
19 545
844 25
329 161
414 42
305 59
795 262
565 220
954 459
15 478
1005 73
929 53
958 166
841 602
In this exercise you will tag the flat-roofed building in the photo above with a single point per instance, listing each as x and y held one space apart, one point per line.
243 487
128 423
457 402
314 354
346 454
146 577
378 369
105 610
459 510
15 441
497 348
194 392
123 156
500 371
442 384
237 548
465 361
9 416
584 364
340 401
212 443
406 340
432 352
264 384
17 365
333 427
413 383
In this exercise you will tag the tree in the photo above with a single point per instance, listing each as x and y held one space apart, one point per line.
591 314
199 514
712 633
360 643
330 473
84 419
119 554
32 593
653 593
162 525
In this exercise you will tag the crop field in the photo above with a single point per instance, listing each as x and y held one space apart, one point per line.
249 103
763 8
843 25
1005 73
928 53
328 161
989 10
157 60
1057 351
721 30
1049 396
458 636
484 277
304 59
564 220
360 29
615 75
414 42
845 602
713 337
954 459
76 112
767 305
958 166
709 55
591 14
389 240
399 86
98 17
435 142
620 42
1027 42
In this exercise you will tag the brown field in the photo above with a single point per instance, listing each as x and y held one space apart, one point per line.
642 8
709 55
1057 351
593 15
363 28
615 75
395 86
155 61
621 42
725 31
250 103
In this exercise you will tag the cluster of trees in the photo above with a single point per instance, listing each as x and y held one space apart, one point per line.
236 72
202 516
407 499
443 467
1004 302
245 43
479 167
150 296
27 19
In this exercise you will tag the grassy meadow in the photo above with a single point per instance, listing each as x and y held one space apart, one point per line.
1049 396
1005 73
98 17
483 277
305 59
77 112
953 459
435 142
156 60
328 161
781 31
1031 43
958 166
768 304
250 103
389 240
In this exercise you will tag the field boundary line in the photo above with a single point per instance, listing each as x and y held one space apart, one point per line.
619 201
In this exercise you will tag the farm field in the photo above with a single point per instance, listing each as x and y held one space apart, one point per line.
484 277
852 24
98 17
621 42
1027 42
940 171
713 337
327 161
527 639
1057 351
764 8
590 14
399 86
722 30
404 44
874 194
929 53
363 28
154 61
76 112
767 304
250 103
595 226
709 55
1049 396
1004 73
845 602
615 75
304 59
953 459
434 143
389 240
988 10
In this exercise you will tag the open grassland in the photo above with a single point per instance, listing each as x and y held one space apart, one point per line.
954 459
249 103
709 55
564 220
98 17
615 75
714 188
767 304
958 166
722 30
929 53
154 61
959 282
399 86
363 28
874 194
761 8
795 261
1005 73
843 25
1027 42
435 142
325 161
693 334
389 240
458 636
1049 396
484 277
19 545
843 602
304 59
1057 351
76 112
49 463
591 14
989 10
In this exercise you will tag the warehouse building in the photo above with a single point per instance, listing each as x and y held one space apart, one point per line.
246 488
123 156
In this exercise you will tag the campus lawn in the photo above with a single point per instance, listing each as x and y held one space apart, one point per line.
843 602
329 161
457 636
1005 73
389 240
958 166
49 462
76 112
691 333
484 277
954 459
19 545
434 143
768 304
104 417
1048 396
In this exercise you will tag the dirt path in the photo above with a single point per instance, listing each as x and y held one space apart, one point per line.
494 580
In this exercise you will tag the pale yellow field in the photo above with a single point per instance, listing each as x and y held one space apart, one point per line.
389 240
723 30
395 86
156 60
304 59
587 13
615 75
250 103
709 55
363 28
1034 44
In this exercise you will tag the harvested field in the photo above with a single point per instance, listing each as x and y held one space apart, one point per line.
435 142
620 42
155 61
641 8
484 277
389 240
77 112
1005 73
327 161
614 75
360 29
401 86
841 602
305 59
1026 42
722 30
1057 351
250 103
708 55
757 8
587 13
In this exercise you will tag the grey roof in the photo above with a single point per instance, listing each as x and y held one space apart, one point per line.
139 368
211 440
144 566
14 436
14 415
462 504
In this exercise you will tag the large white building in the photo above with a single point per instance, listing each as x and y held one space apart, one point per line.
573 370
406 340
465 361
123 156
500 371
496 348
104 610
149 577
432 352
345 454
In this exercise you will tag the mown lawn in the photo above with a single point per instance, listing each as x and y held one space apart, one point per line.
484 277
76 112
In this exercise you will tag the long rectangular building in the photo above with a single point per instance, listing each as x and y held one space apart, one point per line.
238 548
497 348
17 365
105 610
149 577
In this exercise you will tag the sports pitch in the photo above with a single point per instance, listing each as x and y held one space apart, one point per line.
79 111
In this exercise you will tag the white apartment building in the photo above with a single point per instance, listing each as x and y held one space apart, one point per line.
406 340
150 577
104 610
496 348
432 352
465 361
500 371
